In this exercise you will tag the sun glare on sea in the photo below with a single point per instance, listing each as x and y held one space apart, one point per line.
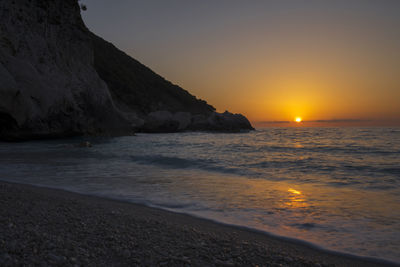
298 119
293 191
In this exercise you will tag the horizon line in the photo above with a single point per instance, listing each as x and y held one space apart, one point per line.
331 122
321 121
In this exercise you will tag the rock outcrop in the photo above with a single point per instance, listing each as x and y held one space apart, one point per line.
59 79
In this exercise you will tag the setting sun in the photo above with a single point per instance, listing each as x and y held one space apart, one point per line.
298 119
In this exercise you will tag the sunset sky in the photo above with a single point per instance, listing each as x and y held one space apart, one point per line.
270 60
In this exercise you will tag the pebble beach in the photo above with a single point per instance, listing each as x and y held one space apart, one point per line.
50 227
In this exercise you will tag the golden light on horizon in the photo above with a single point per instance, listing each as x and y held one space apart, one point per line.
298 119
317 72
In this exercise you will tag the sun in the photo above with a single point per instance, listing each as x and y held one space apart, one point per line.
298 119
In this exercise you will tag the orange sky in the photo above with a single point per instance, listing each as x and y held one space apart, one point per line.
270 60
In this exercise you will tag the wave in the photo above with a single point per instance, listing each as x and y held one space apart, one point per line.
336 174
181 163
311 164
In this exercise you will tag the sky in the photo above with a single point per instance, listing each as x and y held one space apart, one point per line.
325 61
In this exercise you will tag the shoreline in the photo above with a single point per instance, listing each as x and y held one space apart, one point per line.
46 225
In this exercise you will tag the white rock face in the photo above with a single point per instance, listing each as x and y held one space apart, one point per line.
48 83
165 121
160 121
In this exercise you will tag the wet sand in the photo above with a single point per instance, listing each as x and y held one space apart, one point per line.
48 227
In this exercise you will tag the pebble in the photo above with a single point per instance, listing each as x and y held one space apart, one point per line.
224 263
126 253
289 259
54 258
13 246
5 257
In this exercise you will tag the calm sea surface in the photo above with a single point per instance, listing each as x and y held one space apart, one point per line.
338 188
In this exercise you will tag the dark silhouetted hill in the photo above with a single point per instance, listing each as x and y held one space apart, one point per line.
58 79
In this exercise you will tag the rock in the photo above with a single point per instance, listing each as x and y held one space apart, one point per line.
5 257
13 246
224 263
183 119
159 122
165 121
225 122
48 86
160 116
228 122
133 118
126 253
54 258
198 122
288 259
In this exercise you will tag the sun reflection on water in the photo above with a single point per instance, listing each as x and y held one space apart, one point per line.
296 199
291 190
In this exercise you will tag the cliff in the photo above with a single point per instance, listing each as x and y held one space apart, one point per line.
59 79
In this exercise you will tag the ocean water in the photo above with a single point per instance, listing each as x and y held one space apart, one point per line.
338 188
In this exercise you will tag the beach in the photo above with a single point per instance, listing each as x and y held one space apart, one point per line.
47 227
199 133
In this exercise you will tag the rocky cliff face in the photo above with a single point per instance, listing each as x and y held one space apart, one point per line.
48 86
59 79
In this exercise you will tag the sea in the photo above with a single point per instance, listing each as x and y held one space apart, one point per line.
335 188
